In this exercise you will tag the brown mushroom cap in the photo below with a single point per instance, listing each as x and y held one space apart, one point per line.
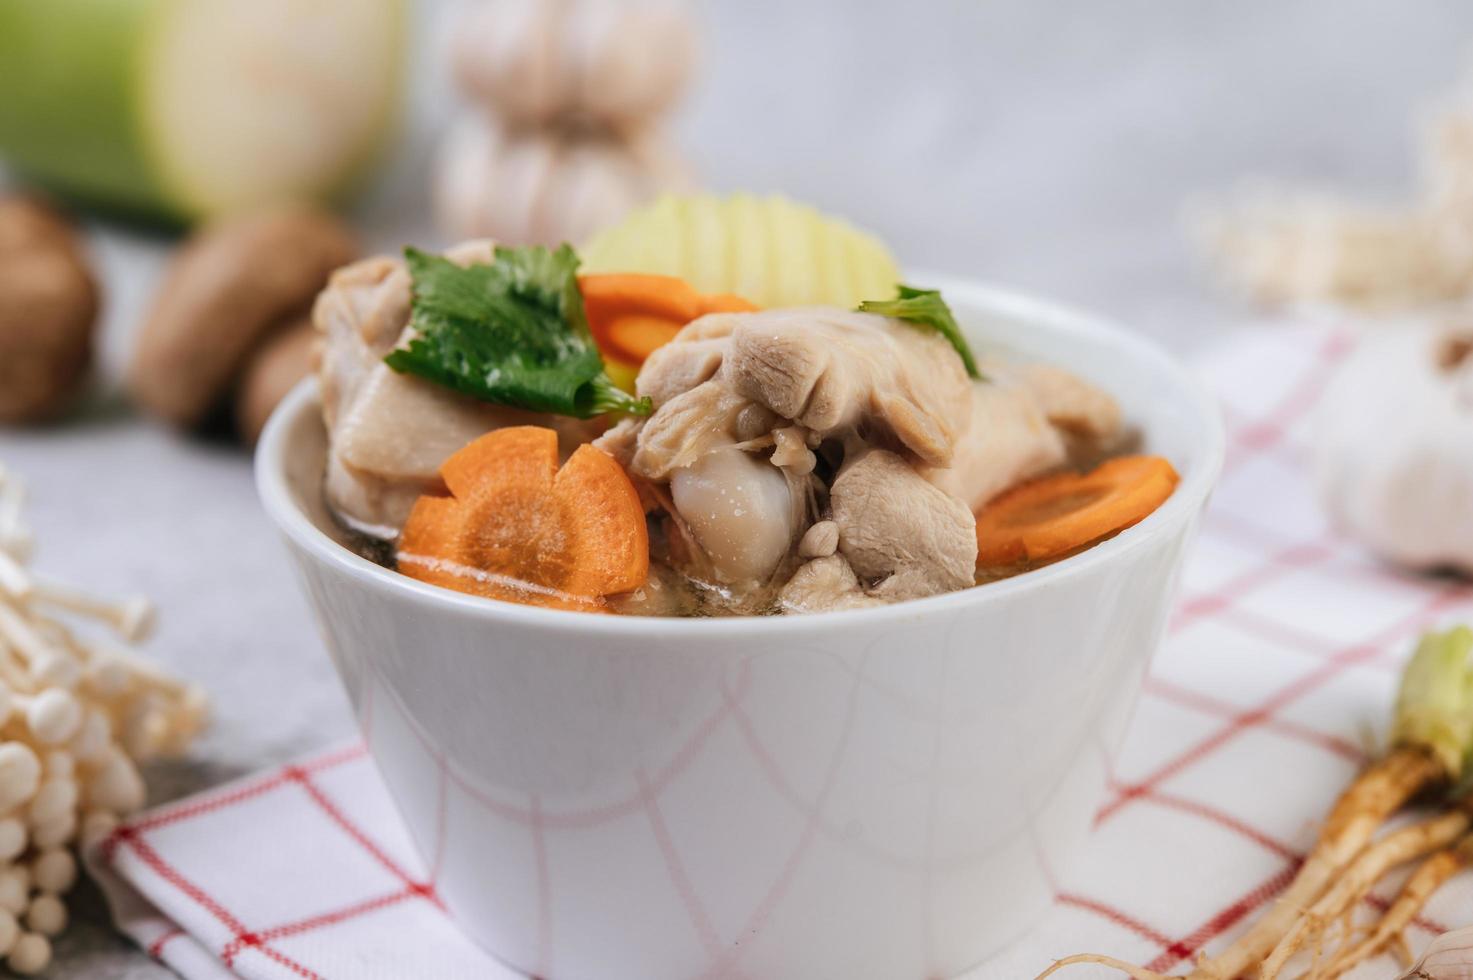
48 307
286 358
231 286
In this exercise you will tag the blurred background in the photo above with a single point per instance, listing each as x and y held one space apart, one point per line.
1056 147
1050 146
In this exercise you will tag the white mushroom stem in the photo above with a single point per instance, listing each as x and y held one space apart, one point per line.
57 832
146 729
20 774
17 542
114 674
47 915
12 673
23 637
15 537
109 676
9 931
15 888
13 838
132 618
116 785
58 668
93 738
30 955
59 762
54 871
54 803
13 578
97 825
150 676
52 716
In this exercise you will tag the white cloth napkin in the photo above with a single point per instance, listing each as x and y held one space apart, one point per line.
1276 676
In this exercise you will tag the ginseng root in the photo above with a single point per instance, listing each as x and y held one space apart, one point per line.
1138 972
1414 895
1432 733
1358 879
1361 810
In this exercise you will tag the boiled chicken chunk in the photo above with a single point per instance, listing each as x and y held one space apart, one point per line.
691 358
829 371
388 432
1021 422
743 400
387 447
1071 404
833 371
1006 439
864 429
898 537
902 536
823 585
685 428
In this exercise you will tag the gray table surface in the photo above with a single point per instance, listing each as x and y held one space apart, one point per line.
1046 145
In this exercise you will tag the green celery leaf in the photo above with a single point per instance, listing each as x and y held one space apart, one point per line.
512 332
927 308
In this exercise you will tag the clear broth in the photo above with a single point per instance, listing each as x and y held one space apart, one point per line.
669 592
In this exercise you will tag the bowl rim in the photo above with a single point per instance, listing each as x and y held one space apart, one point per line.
1183 506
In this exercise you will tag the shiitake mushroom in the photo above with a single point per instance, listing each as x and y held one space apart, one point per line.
48 311
220 322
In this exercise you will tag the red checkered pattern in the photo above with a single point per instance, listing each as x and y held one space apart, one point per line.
1273 683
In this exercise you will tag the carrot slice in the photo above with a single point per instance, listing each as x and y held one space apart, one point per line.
1052 516
517 528
668 297
726 303
636 335
526 454
631 314
600 504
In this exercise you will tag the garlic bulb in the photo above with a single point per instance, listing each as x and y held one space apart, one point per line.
611 62
1394 446
567 94
545 186
1450 957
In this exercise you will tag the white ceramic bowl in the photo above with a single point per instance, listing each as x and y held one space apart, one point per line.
883 793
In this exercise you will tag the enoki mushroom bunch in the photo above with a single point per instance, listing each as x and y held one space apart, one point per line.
1281 245
1431 747
77 715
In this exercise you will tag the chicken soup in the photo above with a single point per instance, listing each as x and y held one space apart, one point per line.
760 461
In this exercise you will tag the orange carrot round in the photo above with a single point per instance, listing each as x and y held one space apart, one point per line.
631 314
1052 516
516 527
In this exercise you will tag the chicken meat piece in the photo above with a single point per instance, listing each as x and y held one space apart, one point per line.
1072 404
902 535
823 585
1023 422
388 432
685 428
359 316
832 371
849 445
1007 439
829 371
743 400
690 359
